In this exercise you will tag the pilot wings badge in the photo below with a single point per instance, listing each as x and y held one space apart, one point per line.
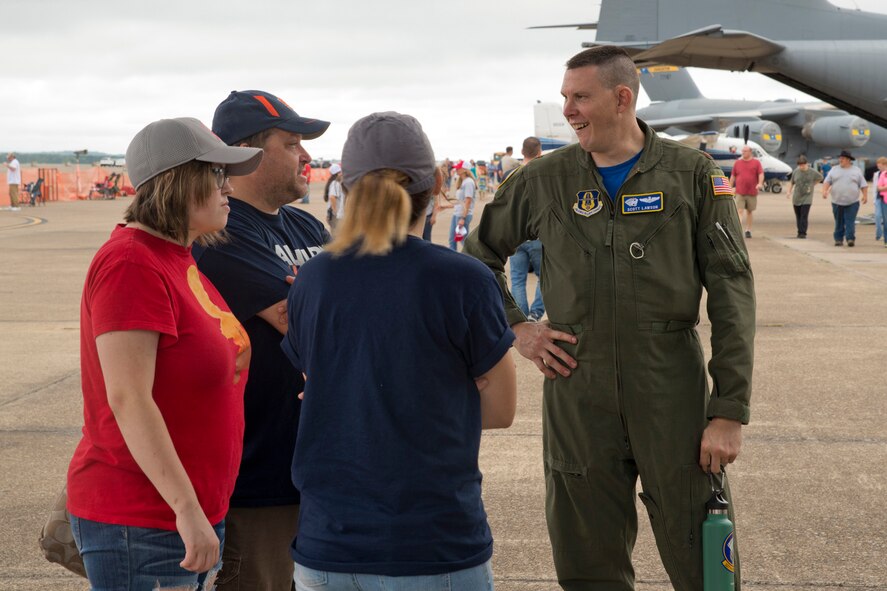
588 203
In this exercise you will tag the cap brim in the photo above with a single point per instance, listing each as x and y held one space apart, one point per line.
309 128
238 161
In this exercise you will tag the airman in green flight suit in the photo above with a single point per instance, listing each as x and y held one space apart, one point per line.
626 394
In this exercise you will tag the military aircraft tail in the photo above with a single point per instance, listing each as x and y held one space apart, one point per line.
668 83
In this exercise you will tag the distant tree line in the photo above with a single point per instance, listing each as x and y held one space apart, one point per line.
60 157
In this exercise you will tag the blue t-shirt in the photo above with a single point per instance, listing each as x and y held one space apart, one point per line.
386 456
250 272
614 176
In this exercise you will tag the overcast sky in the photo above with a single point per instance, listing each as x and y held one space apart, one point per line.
89 74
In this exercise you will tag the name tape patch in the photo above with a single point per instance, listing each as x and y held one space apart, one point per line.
643 203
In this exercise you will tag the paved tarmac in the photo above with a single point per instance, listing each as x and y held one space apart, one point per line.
809 486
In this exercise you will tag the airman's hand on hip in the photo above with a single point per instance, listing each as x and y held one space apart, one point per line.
537 342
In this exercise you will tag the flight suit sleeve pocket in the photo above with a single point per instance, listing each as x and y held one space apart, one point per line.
733 259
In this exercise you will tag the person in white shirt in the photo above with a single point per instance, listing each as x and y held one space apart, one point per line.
508 162
465 198
13 179
335 196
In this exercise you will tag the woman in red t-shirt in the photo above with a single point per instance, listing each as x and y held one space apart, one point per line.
163 363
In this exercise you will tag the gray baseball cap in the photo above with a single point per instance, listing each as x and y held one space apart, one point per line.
389 140
168 143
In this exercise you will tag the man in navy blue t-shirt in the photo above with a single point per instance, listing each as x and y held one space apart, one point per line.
268 241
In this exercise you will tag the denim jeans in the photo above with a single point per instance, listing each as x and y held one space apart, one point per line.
137 558
528 254
478 578
879 217
883 226
455 222
845 221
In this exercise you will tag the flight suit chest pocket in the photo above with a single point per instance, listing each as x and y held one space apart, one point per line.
726 250
663 267
568 271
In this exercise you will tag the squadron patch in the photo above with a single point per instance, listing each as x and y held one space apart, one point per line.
643 203
721 186
588 203
727 551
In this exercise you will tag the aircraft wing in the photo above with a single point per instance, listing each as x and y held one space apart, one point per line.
703 120
709 47
680 122
585 26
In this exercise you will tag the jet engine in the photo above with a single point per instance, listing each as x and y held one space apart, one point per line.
848 131
766 133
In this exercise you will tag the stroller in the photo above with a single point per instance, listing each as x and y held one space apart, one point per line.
34 192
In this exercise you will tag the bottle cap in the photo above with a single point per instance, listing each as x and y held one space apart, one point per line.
717 502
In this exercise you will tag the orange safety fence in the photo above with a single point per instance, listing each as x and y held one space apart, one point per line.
61 182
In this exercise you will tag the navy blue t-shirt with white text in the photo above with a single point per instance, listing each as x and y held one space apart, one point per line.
250 272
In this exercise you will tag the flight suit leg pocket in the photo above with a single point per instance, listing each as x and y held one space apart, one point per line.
671 552
570 515
725 247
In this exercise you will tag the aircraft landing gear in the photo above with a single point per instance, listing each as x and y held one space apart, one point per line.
773 186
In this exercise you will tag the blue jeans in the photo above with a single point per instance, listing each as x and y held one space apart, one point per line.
883 217
478 578
455 222
845 221
528 254
879 217
122 557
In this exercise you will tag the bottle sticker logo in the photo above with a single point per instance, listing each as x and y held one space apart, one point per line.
728 552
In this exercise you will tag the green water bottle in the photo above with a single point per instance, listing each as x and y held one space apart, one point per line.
717 543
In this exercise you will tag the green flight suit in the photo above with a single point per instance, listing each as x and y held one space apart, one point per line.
625 275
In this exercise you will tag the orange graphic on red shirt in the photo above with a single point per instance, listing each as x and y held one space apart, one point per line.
229 325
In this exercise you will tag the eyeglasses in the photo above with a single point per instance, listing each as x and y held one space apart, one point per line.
221 177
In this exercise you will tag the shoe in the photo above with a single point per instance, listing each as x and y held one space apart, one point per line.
851 243
748 233
15 209
802 236
837 243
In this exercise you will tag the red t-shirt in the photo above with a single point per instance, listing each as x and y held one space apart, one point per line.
745 176
140 282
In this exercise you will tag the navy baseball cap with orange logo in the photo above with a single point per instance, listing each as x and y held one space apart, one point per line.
247 112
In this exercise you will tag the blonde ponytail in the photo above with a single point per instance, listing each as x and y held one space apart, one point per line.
377 214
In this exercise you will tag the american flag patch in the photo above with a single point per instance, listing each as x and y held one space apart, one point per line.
721 185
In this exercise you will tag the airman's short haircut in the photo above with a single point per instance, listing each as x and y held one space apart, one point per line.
531 148
614 65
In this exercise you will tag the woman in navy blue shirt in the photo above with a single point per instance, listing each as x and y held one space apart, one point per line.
395 335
